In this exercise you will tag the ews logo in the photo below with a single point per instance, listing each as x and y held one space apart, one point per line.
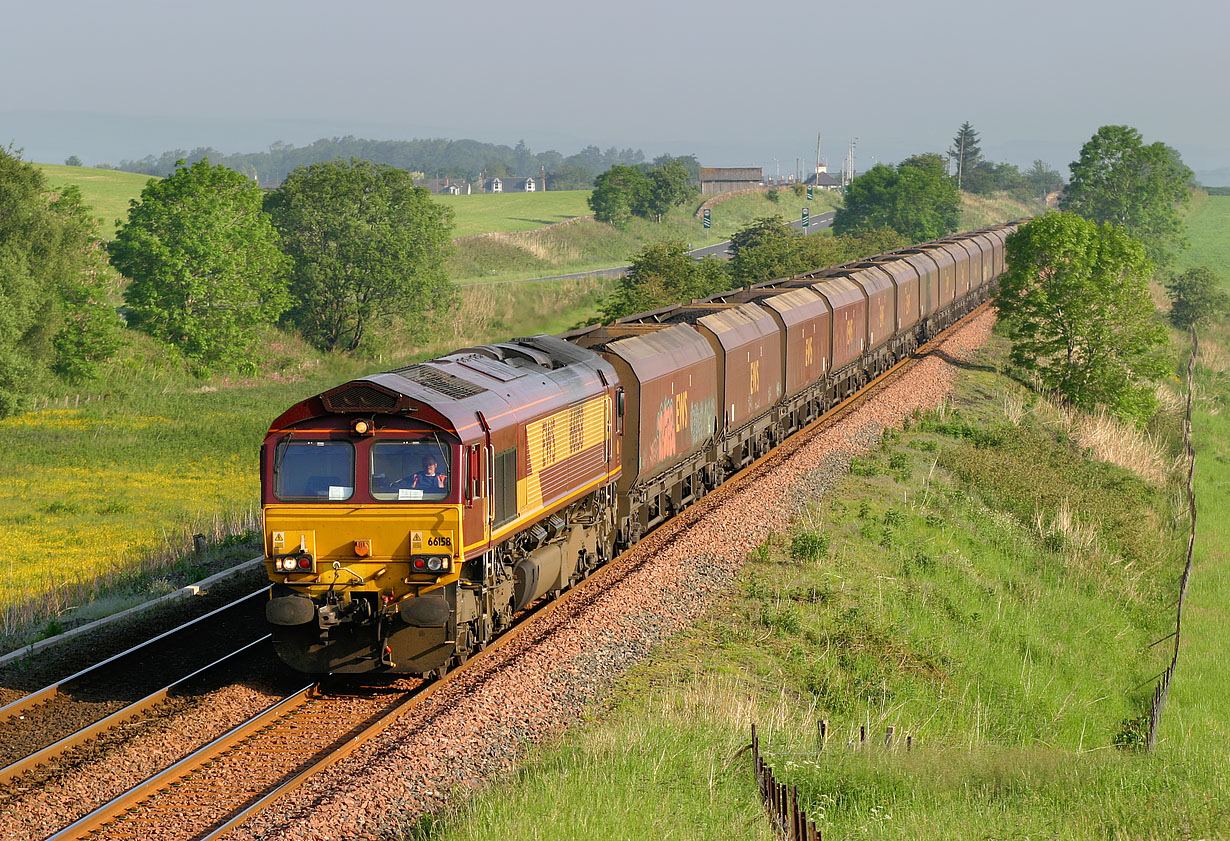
681 411
754 378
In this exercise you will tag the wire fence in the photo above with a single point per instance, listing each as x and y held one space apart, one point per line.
1161 692
781 801
68 401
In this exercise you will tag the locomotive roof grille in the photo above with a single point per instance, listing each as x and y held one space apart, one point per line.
441 381
361 398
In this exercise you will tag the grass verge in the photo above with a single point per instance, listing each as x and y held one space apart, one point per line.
981 583
481 213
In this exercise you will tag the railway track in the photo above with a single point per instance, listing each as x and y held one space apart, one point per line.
44 725
218 787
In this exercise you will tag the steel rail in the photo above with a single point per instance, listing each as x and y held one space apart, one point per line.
155 798
133 711
33 699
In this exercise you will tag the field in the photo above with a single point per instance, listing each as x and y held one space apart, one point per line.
106 191
1208 225
481 213
989 581
588 245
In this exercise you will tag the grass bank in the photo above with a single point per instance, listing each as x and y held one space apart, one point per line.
586 245
481 213
984 582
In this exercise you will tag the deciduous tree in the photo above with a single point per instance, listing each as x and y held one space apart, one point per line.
668 185
763 250
618 193
1075 303
54 316
367 246
917 199
1140 188
1198 297
204 263
662 274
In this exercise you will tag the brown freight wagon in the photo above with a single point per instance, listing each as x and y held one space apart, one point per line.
748 344
907 283
849 306
961 258
928 280
805 320
987 265
877 285
667 406
946 268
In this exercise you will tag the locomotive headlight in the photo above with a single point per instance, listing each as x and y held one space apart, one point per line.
434 564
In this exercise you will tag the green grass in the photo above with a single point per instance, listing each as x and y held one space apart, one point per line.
1208 229
588 245
482 213
106 191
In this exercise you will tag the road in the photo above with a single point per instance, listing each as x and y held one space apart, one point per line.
819 222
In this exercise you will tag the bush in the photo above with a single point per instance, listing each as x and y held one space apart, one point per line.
809 546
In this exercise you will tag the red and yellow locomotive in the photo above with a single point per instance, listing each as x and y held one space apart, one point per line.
409 514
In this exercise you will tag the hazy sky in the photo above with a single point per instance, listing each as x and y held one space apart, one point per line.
738 83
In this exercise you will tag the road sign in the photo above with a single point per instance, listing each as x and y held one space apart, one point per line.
806 218
707 224
809 198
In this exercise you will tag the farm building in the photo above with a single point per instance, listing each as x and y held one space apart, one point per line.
715 180
510 184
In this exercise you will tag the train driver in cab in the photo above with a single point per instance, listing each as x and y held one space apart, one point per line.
429 479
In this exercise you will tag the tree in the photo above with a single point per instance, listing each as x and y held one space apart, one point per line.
1042 179
367 247
666 186
765 249
917 199
618 193
1197 296
662 274
1140 188
54 316
1075 303
204 263
966 153
73 160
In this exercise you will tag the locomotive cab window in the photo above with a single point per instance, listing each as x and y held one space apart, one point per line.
411 471
314 470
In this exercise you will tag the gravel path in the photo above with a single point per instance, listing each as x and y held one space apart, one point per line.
478 725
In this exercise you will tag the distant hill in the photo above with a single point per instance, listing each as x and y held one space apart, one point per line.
1214 177
462 159
105 191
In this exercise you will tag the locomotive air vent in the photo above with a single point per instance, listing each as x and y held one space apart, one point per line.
360 398
441 381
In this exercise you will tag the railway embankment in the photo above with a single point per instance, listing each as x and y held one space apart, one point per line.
988 580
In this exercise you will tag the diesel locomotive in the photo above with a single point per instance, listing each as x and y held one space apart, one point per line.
408 515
